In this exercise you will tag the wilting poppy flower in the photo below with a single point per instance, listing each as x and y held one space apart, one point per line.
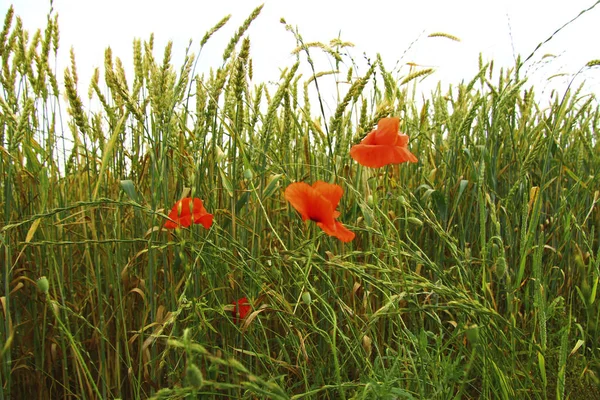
383 146
318 203
241 308
182 215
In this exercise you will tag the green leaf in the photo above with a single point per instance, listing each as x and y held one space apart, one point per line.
542 365
127 186
592 298
243 200
461 188
272 186
367 213
226 182
440 203
580 342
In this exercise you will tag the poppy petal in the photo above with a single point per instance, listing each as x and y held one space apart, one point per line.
374 156
185 221
333 193
185 206
206 220
201 216
181 215
402 140
198 206
241 308
405 155
171 225
180 210
182 207
298 194
338 230
309 203
370 138
387 131
343 233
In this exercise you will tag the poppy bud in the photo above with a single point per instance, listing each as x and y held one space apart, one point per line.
43 285
194 376
500 266
306 298
248 175
432 174
367 345
414 220
219 156
473 334
370 200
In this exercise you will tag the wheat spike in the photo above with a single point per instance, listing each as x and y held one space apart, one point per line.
444 35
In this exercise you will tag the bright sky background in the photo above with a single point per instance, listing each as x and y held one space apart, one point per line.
498 29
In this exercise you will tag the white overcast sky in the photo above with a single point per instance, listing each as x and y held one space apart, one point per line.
498 29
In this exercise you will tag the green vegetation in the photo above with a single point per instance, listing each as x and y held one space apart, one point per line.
473 274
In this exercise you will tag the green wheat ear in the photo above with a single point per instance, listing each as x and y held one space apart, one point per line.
417 74
318 45
6 28
214 29
444 35
240 32
592 63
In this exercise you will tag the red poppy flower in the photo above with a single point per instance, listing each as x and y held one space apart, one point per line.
187 210
383 146
318 203
241 308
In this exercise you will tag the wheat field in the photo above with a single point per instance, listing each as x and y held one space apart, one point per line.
471 273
